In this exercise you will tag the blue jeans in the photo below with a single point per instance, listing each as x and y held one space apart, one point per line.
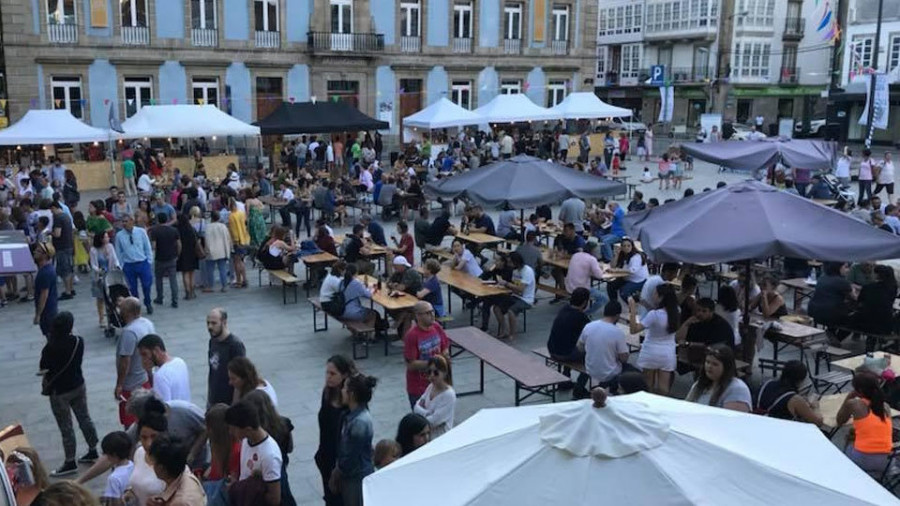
439 310
598 301
622 288
801 188
135 271
606 244
220 264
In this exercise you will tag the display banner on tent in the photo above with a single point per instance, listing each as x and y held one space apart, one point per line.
882 93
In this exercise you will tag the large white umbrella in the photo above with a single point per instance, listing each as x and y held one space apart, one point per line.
639 449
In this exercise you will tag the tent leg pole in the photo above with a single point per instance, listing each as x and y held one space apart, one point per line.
747 293
522 220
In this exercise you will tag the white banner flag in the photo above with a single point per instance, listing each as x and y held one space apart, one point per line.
670 103
662 104
880 117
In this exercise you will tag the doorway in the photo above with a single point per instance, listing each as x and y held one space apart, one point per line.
696 107
410 98
785 108
268 98
744 106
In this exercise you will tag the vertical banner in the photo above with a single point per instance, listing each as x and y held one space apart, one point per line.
670 102
99 14
881 101
662 105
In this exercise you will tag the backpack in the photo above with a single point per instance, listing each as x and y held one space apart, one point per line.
337 304
759 410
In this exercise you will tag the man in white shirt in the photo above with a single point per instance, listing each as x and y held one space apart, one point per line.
605 348
649 299
885 177
260 454
145 183
171 380
842 169
286 193
522 287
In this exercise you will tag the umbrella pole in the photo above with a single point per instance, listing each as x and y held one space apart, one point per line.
522 221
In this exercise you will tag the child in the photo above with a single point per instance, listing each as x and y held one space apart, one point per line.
615 165
646 176
386 451
664 170
116 447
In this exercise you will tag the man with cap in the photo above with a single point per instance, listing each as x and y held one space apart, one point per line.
405 279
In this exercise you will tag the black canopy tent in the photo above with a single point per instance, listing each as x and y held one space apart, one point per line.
317 117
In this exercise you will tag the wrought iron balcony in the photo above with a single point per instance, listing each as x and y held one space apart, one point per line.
793 27
790 75
345 42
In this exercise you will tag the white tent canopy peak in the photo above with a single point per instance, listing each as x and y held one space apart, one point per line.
618 430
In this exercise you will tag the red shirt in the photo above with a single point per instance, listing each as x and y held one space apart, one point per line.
407 245
421 344
234 464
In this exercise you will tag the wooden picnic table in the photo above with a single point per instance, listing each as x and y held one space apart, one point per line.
829 405
471 285
480 239
527 371
790 334
274 204
853 363
802 290
383 297
323 259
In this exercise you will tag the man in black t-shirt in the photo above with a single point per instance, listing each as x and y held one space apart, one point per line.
166 242
440 227
223 346
355 249
706 327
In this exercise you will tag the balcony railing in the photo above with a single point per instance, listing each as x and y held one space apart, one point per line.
345 42
512 46
62 33
268 39
410 44
462 45
790 75
793 27
684 28
135 35
204 37
559 47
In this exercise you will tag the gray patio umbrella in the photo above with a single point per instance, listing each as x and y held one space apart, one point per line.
812 154
523 182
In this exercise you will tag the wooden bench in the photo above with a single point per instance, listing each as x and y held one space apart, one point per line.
579 366
829 354
360 333
558 292
439 253
287 279
527 371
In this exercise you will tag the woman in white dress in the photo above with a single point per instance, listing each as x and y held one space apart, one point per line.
657 358
438 402
648 141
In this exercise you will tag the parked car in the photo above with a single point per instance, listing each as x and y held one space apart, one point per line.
742 133
816 128
621 124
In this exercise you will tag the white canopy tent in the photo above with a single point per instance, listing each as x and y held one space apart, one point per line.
442 114
639 449
184 120
516 108
586 105
57 126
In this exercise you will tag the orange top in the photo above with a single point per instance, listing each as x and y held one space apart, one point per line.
873 435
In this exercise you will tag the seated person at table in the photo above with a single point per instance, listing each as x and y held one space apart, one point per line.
830 302
387 198
405 279
632 261
739 289
861 274
530 251
605 348
780 398
875 305
463 260
480 223
718 385
277 253
819 189
523 286
687 297
706 327
505 223
567 326
727 307
667 273
324 240
431 287
375 230
771 303
583 268
616 214
332 282
405 246
866 405
500 269
440 227
354 251
354 290
566 244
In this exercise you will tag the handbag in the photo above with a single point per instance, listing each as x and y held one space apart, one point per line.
46 382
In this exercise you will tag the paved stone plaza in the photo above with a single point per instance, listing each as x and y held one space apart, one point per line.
280 341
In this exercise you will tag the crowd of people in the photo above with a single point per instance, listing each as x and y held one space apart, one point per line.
236 449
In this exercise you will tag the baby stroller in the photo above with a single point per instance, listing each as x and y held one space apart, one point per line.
840 193
114 288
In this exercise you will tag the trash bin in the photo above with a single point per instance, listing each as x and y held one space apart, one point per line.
773 130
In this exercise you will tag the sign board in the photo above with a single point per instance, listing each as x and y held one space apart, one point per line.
657 75
708 121
786 127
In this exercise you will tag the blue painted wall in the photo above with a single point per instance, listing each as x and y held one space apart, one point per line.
297 15
438 24
384 14
437 85
173 84
488 85
86 15
237 19
298 83
489 23
102 86
36 17
42 99
537 86
170 19
385 95
237 76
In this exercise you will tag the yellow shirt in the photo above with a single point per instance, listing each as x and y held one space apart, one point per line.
237 225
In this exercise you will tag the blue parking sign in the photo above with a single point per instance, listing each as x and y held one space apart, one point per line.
657 75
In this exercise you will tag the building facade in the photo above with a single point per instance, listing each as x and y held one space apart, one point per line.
388 57
857 58
747 53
